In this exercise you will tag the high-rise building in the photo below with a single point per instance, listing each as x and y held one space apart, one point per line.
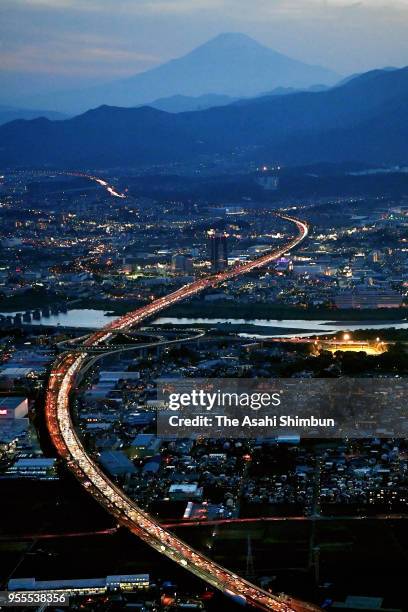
182 263
218 250
268 178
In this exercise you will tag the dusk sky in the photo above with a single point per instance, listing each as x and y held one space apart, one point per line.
63 43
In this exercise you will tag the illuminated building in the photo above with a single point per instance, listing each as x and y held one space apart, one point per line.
368 298
144 445
181 263
84 586
39 468
218 250
13 407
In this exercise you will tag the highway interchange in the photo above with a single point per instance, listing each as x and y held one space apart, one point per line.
63 381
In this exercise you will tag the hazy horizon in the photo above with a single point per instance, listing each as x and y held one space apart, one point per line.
50 45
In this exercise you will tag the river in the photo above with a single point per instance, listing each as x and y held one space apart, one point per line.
314 327
92 318
79 317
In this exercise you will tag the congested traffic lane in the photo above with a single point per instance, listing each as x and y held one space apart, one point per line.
63 381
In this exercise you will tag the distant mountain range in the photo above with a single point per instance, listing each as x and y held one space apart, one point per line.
183 104
172 104
231 65
363 120
9 113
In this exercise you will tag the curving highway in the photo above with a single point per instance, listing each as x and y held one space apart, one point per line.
63 378
109 188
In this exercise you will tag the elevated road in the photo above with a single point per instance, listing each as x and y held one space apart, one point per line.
63 379
120 348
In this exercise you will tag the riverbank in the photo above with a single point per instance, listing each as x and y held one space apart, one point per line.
235 310
236 328
209 310
31 300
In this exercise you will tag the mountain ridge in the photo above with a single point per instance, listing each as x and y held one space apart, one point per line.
10 113
365 120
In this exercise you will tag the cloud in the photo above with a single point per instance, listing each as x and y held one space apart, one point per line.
130 6
80 53
179 6
232 9
197 5
111 38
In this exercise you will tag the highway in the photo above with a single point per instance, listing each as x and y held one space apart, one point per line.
109 188
281 519
63 379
